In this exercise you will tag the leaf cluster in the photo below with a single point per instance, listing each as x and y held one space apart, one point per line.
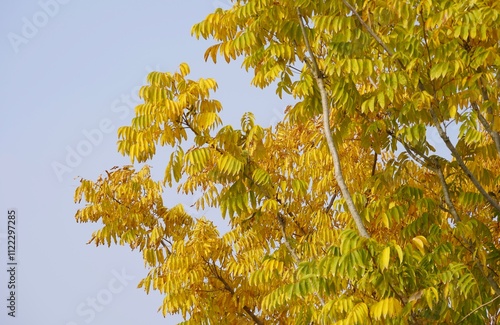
395 78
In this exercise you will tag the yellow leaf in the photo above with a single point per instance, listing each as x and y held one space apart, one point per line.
385 257
381 99
385 219
386 308
419 244
423 240
400 252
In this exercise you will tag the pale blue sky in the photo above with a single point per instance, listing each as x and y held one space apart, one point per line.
76 72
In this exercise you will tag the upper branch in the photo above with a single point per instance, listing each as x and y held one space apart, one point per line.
318 76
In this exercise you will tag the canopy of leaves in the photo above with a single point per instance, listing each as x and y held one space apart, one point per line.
343 212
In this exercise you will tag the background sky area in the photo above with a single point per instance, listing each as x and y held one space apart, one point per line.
69 75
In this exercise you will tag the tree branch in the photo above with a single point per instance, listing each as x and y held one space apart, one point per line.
486 98
442 134
165 245
368 28
435 167
229 289
446 192
460 161
282 222
330 204
479 307
374 166
494 135
318 76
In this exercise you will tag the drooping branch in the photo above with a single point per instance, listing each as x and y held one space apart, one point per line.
434 166
461 163
487 126
494 135
318 77
228 288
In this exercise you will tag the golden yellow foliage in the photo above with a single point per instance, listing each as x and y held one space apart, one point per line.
344 212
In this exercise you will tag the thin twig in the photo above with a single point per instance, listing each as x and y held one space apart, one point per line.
330 204
282 222
479 307
231 291
435 167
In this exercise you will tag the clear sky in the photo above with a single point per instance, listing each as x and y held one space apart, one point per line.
69 73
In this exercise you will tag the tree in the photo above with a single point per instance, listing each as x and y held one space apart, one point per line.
343 212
